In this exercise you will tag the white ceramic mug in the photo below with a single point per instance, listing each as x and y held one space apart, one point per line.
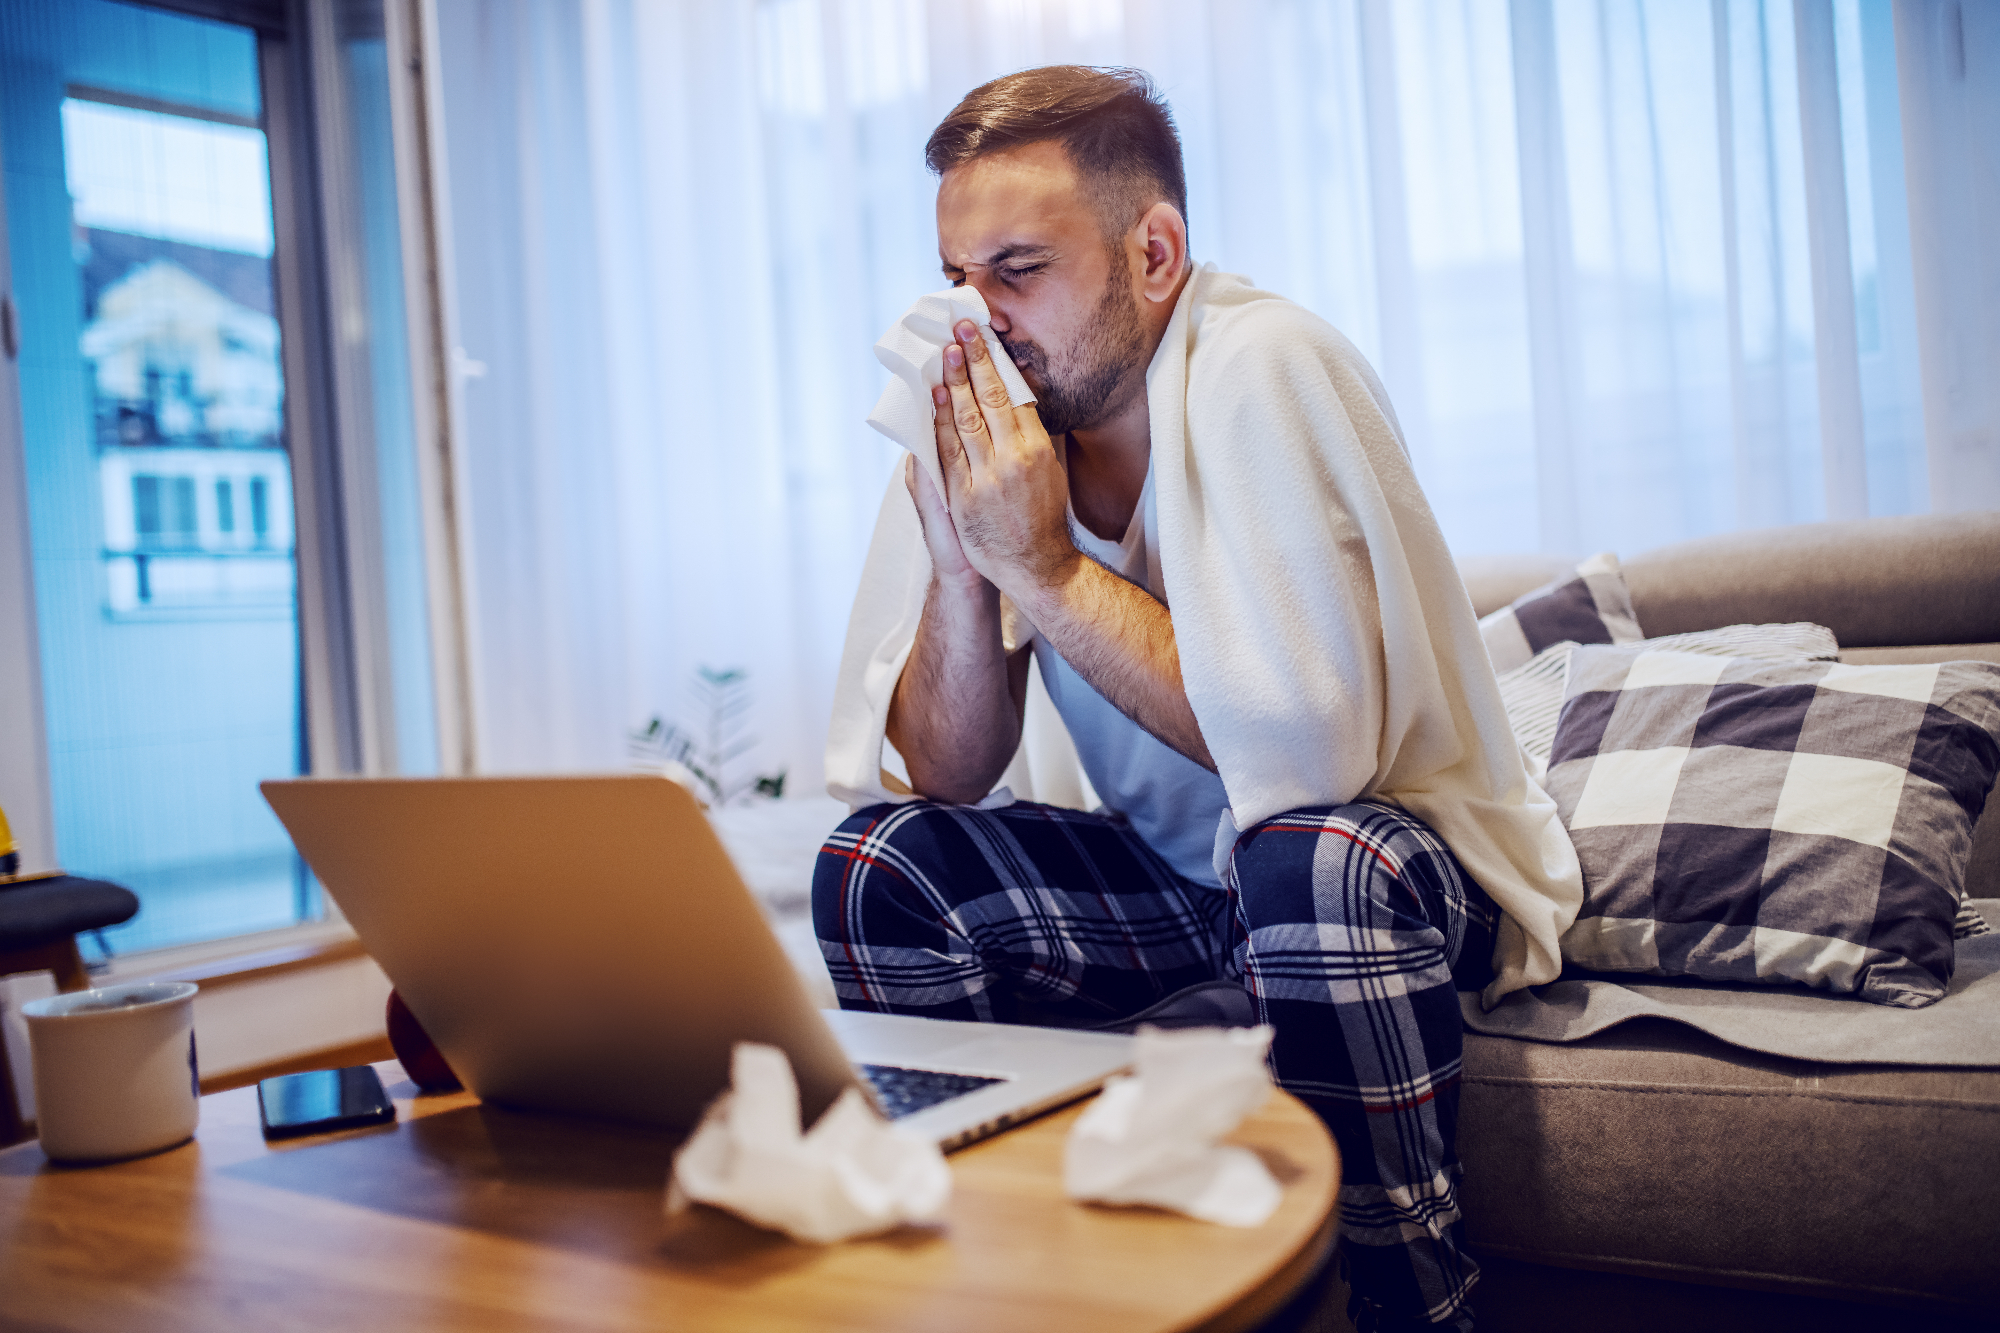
115 1071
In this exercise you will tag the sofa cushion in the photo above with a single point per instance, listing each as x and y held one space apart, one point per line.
1492 581
1753 819
1922 652
1928 578
1656 1150
1962 1030
1588 606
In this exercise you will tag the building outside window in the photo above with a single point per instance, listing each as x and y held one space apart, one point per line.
181 348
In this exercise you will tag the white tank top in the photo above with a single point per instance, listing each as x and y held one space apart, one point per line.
1171 802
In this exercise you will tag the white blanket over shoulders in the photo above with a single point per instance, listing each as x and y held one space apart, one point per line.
1327 644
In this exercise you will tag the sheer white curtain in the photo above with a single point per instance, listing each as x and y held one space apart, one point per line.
1631 271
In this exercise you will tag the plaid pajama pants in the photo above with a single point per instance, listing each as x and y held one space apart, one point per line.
1352 927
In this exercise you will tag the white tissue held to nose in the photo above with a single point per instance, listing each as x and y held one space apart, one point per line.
1154 1138
853 1174
913 352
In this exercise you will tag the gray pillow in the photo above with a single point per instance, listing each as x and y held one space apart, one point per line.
1533 691
1591 606
1751 819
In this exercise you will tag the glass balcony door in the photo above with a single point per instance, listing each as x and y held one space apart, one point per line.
231 573
159 493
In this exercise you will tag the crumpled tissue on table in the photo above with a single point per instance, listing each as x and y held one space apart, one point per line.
1152 1138
854 1174
913 351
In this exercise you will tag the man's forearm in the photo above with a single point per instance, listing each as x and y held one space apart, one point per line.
956 714
1120 639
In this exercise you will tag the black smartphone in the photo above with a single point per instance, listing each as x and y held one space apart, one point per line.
323 1100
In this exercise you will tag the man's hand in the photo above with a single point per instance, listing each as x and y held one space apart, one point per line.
956 714
1005 488
1007 494
948 563
1002 525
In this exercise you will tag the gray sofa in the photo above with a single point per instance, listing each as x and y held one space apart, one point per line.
1597 1169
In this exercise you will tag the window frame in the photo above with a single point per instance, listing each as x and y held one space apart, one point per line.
347 686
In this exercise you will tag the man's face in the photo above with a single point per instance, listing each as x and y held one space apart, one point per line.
1018 227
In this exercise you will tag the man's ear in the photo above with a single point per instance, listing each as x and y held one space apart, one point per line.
1160 237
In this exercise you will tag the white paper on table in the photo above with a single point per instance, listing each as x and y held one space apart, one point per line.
913 352
853 1174
1154 1138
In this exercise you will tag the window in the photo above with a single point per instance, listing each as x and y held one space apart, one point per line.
170 653
203 387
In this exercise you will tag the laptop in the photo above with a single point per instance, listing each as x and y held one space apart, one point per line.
584 945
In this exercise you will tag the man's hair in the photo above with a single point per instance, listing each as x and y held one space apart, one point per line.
1113 124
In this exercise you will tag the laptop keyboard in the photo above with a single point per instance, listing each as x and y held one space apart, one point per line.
904 1092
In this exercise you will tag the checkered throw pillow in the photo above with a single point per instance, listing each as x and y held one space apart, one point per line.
1750 819
1532 693
1591 606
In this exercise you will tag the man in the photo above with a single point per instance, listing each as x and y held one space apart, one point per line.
1207 536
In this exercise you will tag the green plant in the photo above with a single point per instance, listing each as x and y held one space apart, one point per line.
723 697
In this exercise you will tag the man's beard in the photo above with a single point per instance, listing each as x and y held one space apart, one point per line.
1083 390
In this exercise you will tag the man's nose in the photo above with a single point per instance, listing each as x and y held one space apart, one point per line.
982 281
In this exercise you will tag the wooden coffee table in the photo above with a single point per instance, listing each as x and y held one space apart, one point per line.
463 1216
